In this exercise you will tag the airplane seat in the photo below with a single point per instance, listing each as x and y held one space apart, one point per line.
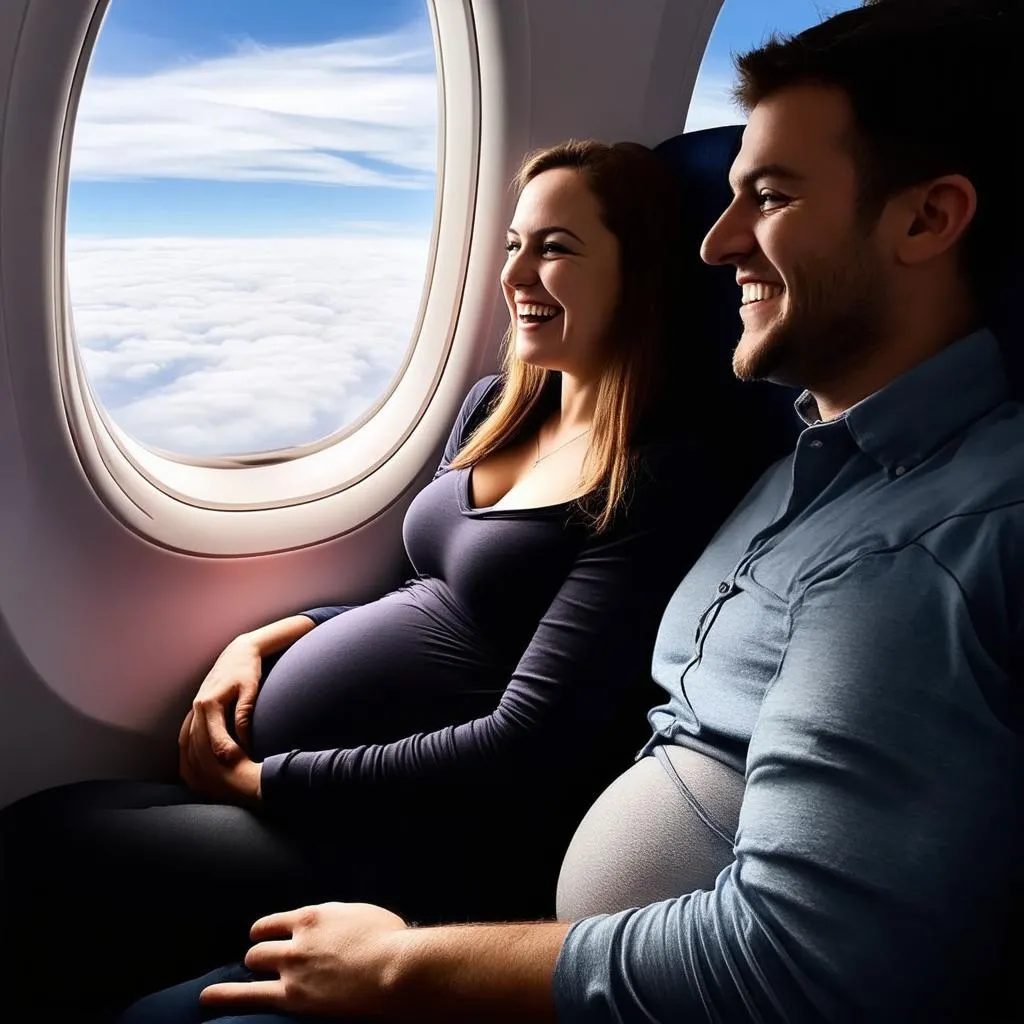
1004 294
760 413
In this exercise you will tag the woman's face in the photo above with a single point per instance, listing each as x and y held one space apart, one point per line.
561 279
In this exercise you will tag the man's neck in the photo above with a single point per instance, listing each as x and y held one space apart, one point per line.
902 348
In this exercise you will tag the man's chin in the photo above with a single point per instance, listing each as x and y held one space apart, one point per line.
753 355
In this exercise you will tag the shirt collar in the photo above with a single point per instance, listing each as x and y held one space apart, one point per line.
902 423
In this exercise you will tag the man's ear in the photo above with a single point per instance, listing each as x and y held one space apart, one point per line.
933 217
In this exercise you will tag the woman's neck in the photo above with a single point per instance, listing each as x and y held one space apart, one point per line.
577 403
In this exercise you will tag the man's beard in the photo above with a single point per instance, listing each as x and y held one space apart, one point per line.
835 315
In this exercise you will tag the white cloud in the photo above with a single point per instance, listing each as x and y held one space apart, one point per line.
215 346
296 114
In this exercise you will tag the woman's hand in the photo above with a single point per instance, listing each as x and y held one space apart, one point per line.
232 683
234 680
221 770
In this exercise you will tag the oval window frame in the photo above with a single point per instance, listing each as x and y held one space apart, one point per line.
306 493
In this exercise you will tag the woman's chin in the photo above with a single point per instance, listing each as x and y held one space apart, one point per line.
535 355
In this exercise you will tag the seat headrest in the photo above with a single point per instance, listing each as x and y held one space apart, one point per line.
762 414
1005 322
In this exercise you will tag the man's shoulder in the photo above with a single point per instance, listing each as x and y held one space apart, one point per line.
963 507
982 474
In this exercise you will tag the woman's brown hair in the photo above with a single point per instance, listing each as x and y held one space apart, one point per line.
637 198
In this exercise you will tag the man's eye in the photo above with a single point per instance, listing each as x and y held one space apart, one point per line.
769 199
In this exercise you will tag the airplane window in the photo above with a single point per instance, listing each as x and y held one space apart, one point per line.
250 212
743 24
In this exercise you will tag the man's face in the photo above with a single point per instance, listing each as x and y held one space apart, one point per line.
814 285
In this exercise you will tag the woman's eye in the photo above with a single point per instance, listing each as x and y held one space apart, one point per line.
511 247
553 247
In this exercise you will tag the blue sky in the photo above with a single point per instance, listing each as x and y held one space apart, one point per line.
169 50
128 183
145 35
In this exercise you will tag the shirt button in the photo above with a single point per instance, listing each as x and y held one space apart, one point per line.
900 470
724 588
816 443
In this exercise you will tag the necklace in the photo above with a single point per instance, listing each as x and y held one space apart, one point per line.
565 444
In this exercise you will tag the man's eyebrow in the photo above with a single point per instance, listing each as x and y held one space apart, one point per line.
765 171
550 230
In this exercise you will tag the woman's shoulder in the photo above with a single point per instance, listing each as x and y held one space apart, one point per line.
485 388
478 402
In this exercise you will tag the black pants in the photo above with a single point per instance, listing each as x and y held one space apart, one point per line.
112 890
180 1005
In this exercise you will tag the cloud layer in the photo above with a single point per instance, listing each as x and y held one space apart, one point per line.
218 346
348 112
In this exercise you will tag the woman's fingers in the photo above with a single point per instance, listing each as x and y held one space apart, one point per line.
186 728
215 736
243 719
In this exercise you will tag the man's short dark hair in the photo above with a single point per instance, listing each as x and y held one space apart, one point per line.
930 85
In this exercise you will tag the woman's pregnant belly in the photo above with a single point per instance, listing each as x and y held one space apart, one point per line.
405 664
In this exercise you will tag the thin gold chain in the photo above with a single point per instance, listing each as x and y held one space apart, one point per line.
565 444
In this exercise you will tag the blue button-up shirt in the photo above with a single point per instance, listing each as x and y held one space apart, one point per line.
851 640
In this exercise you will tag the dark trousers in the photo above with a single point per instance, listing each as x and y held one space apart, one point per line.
113 890
180 1005
127 887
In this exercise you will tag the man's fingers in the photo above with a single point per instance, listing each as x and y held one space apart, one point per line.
268 994
268 956
275 926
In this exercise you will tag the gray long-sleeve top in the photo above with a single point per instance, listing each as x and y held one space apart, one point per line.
852 640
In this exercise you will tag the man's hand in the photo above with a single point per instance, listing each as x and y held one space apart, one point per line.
217 768
351 959
331 958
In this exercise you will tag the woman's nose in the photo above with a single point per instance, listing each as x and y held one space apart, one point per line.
519 269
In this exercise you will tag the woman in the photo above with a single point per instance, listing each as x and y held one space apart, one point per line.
433 750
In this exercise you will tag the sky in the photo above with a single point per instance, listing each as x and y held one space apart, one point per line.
251 198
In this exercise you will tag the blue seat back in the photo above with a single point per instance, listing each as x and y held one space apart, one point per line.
761 414
1001 317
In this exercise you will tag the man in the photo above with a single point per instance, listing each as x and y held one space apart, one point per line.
849 636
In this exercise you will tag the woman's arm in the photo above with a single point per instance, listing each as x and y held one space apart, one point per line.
591 646
278 636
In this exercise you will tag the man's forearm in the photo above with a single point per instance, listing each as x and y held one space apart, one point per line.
474 972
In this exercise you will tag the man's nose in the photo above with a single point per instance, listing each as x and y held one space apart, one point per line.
730 239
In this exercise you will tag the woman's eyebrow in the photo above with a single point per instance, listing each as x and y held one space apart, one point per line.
550 230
